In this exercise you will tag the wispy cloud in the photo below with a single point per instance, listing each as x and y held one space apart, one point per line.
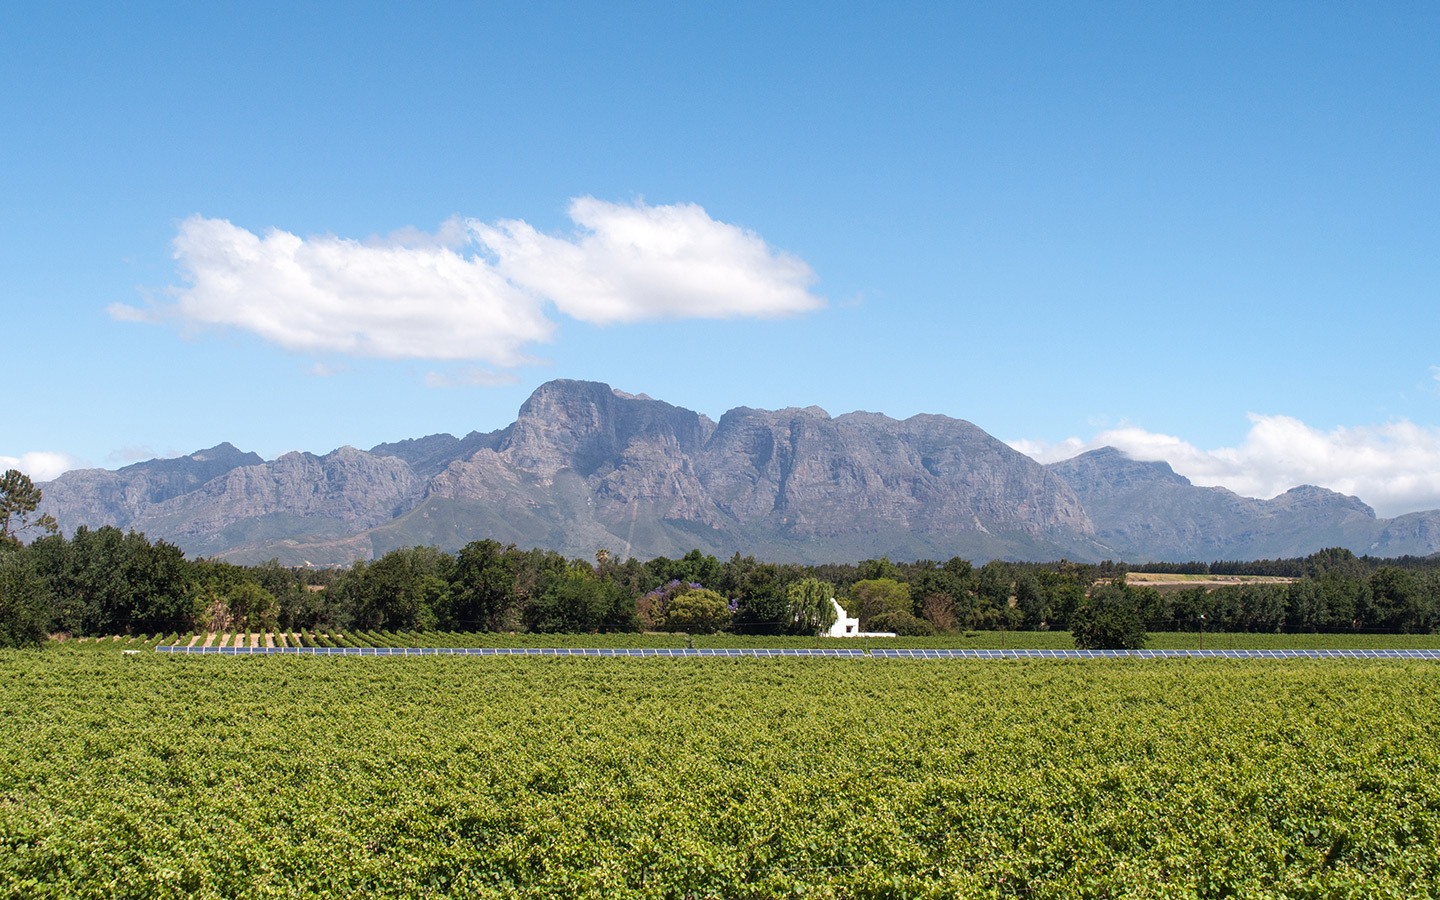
134 453
40 465
471 291
1394 467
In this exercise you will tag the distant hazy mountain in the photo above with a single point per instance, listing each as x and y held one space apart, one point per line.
585 467
1145 511
105 497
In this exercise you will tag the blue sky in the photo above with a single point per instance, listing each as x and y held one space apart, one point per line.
1203 232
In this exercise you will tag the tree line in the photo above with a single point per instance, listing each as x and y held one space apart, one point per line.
105 581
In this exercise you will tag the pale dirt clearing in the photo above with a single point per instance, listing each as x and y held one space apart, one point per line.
1167 582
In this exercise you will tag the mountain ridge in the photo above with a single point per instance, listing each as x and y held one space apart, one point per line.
586 467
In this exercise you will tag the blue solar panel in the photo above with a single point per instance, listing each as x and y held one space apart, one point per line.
882 653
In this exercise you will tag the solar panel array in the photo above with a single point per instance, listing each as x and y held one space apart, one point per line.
513 651
1157 654
760 651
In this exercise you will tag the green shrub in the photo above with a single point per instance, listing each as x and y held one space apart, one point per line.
903 624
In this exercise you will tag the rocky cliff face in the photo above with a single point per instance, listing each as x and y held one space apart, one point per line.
813 476
585 467
428 456
648 478
355 489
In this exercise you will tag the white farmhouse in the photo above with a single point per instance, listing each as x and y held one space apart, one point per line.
845 626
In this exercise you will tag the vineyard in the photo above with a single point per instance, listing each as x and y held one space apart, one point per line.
154 774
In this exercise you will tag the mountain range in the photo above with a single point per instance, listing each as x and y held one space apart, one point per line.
585 467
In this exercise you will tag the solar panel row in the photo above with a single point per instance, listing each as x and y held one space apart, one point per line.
1157 654
831 652
510 651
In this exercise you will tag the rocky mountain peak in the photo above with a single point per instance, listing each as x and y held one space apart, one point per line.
1309 497
222 453
1116 469
586 426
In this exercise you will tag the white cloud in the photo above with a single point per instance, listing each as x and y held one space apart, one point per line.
328 294
637 262
1394 467
1046 452
471 291
40 465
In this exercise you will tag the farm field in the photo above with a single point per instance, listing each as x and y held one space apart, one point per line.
150 775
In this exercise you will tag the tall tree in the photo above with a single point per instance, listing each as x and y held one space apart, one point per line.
578 600
878 596
482 588
23 601
810 606
19 498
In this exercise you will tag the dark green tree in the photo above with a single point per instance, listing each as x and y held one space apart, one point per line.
578 600
944 594
994 588
1399 600
297 606
109 582
482 588
872 569
1031 601
1304 606
87 577
1110 618
1337 561
692 568
19 498
1065 588
1345 598
159 578
251 608
24 600
401 590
